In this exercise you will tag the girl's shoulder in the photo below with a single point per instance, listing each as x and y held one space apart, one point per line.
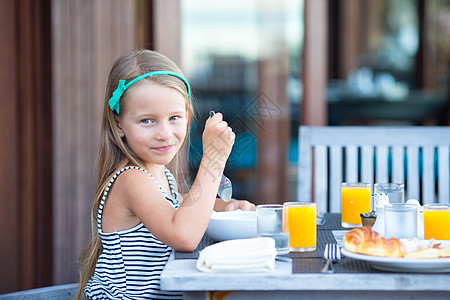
131 175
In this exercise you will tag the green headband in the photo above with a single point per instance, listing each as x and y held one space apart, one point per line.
122 87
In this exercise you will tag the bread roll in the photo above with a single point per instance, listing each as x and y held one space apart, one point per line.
366 241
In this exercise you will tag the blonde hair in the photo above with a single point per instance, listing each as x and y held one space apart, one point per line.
113 150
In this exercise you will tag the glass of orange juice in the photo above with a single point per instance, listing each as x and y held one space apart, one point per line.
355 201
301 224
436 219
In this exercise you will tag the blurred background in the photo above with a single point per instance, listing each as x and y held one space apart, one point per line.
268 66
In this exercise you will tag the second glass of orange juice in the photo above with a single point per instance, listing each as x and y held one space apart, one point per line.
355 201
436 219
301 223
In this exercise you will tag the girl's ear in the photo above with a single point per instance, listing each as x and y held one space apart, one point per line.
119 127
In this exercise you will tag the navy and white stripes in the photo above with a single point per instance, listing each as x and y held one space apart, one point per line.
132 260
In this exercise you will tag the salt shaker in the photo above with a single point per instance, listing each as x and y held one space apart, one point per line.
380 200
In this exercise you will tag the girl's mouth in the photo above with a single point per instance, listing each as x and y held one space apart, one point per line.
164 148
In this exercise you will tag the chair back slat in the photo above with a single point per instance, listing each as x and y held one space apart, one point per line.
367 164
335 178
304 175
428 175
351 164
321 178
398 169
382 164
412 185
443 174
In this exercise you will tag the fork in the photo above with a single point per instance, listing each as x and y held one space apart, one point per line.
331 254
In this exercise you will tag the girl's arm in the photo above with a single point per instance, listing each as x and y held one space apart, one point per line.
181 229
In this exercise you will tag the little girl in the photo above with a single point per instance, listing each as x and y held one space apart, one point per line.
138 214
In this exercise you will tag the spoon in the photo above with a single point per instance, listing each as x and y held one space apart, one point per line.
225 188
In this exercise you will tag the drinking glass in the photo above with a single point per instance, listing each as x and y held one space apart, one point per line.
436 219
355 201
400 220
302 226
395 191
271 222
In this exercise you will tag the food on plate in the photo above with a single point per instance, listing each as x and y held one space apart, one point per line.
423 253
364 240
444 252
431 252
415 244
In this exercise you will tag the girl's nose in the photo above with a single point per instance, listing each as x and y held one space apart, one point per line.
164 132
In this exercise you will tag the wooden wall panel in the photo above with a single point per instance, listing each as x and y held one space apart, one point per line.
87 37
9 152
27 148
25 166
41 95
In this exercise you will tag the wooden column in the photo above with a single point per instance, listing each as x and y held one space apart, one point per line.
372 25
273 125
350 42
425 58
167 28
88 35
314 64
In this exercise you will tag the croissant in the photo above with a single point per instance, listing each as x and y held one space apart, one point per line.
366 241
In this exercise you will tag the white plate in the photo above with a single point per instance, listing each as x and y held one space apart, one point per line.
231 225
400 264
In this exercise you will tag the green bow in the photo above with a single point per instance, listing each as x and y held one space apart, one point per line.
114 100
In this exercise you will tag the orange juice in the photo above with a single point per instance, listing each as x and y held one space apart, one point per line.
301 220
436 219
355 201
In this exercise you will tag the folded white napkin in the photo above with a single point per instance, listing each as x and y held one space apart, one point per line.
241 255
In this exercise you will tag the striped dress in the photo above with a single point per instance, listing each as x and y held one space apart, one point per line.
132 260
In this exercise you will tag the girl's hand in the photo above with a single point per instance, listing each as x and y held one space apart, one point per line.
218 139
234 204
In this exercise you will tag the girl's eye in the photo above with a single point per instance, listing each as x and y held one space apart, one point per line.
146 121
174 118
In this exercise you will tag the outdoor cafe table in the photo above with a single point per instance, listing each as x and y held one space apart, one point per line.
353 279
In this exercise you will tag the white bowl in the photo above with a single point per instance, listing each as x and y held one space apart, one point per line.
230 225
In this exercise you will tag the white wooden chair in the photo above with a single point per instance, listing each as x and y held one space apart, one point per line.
56 292
412 155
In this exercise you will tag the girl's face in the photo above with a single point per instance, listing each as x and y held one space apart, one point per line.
154 122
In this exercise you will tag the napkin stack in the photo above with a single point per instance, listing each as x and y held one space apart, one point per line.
242 255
